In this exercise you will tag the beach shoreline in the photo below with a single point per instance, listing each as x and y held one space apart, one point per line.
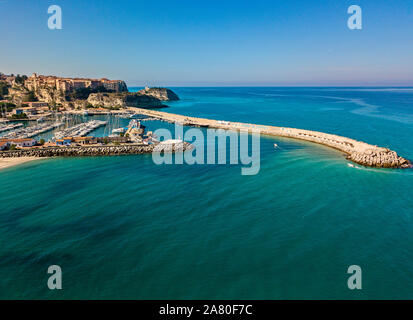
12 162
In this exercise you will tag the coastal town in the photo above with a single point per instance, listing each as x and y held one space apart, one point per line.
66 105
69 111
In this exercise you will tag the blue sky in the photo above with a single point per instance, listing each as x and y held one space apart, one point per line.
212 43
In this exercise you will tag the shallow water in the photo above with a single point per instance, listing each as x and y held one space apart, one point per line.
123 227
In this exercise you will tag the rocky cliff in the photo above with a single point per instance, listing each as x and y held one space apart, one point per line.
149 98
19 94
162 94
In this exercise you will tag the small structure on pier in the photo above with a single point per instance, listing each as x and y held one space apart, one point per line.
135 131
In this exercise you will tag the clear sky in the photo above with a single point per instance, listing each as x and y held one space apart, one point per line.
212 42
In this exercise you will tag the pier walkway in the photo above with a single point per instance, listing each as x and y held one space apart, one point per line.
357 151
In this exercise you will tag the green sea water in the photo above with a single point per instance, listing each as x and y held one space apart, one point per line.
123 227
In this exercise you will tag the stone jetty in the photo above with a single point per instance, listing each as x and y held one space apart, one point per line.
79 151
356 151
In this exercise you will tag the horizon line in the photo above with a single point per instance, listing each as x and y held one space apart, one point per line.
410 86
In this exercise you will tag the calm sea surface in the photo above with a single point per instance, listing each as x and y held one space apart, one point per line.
123 227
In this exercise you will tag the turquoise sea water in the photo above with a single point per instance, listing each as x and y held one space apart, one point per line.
123 227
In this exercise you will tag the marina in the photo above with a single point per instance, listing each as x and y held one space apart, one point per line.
9 127
32 131
80 130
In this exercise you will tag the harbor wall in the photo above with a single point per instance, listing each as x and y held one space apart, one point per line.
80 151
356 151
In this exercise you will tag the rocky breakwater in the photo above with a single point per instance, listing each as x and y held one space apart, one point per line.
356 151
382 158
147 98
86 151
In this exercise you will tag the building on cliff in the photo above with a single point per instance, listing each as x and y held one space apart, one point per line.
35 82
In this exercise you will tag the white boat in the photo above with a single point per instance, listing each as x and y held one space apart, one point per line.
118 130
351 165
275 145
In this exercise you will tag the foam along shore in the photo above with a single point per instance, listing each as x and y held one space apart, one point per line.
11 162
356 151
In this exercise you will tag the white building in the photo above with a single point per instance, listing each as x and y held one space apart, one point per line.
21 143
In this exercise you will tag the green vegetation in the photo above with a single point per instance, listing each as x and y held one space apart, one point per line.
4 89
83 93
20 79
31 96
12 147
8 106
112 107
19 116
42 142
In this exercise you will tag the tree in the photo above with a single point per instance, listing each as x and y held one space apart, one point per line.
4 89
7 106
19 116
42 141
31 96
20 79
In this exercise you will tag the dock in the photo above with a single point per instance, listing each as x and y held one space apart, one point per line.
9 127
356 151
80 130
29 132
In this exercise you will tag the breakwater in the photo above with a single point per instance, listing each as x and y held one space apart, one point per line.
80 151
356 151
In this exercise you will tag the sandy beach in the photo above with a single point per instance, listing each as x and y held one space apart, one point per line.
10 162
